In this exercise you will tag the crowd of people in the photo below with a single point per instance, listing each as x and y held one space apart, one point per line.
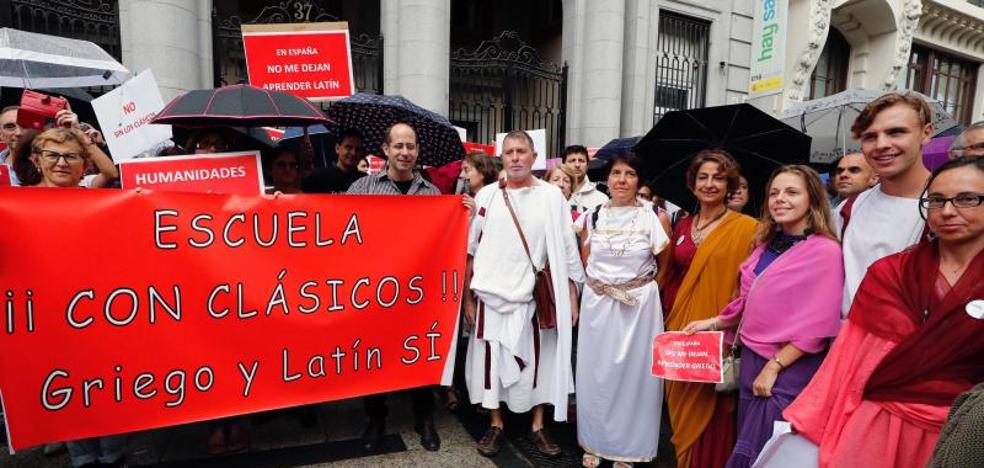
856 306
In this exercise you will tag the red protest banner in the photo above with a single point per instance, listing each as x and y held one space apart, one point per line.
689 358
186 307
233 173
310 60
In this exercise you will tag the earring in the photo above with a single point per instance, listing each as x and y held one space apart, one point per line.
930 235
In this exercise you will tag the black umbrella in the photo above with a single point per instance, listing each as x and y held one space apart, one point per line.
239 106
373 115
616 147
759 142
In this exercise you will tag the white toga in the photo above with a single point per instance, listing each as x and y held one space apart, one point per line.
502 280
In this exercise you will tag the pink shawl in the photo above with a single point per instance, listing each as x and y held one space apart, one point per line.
796 299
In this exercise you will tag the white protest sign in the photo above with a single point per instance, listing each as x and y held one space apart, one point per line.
539 137
462 133
125 113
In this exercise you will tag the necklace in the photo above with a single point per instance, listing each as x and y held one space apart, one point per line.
697 235
628 235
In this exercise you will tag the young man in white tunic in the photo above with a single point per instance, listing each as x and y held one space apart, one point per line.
510 359
885 219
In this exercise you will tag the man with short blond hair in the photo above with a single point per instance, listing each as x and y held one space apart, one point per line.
510 357
885 219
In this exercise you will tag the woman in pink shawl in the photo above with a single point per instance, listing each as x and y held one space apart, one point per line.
788 306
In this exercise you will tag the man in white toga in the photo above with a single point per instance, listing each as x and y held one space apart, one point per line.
510 358
885 219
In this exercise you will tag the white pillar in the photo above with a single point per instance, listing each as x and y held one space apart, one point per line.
417 51
596 86
171 37
639 67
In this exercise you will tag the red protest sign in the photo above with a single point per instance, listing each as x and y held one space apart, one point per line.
375 164
487 149
310 60
200 306
4 175
232 173
689 358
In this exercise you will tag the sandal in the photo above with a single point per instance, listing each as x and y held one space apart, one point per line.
589 460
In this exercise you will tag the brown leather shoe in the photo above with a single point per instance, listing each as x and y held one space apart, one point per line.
544 443
491 442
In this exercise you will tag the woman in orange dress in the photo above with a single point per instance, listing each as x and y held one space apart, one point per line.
702 279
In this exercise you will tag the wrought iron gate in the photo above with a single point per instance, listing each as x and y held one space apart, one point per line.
503 85
681 63
230 60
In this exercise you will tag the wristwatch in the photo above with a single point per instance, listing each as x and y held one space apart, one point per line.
777 361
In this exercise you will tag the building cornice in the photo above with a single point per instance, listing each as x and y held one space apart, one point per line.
957 26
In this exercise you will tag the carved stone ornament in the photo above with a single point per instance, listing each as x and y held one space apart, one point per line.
908 21
819 22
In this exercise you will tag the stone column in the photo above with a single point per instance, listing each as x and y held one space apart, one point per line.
639 67
171 37
595 55
417 51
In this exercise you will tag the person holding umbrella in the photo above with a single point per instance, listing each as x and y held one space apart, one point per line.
707 249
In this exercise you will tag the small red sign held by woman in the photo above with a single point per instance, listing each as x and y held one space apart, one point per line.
688 358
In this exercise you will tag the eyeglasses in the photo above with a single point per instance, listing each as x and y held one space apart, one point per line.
962 200
52 157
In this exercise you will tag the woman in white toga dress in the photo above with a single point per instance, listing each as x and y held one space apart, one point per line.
618 400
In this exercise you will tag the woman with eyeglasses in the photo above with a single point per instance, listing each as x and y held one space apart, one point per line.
913 341
61 155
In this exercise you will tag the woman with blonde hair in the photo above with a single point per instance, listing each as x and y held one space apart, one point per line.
61 155
784 323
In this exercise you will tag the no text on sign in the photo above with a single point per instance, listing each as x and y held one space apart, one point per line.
310 60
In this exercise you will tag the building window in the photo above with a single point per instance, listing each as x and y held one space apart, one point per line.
681 63
944 77
830 75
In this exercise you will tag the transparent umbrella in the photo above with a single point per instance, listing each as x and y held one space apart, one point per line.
34 61
828 121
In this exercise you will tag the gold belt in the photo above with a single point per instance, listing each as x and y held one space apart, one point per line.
620 291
